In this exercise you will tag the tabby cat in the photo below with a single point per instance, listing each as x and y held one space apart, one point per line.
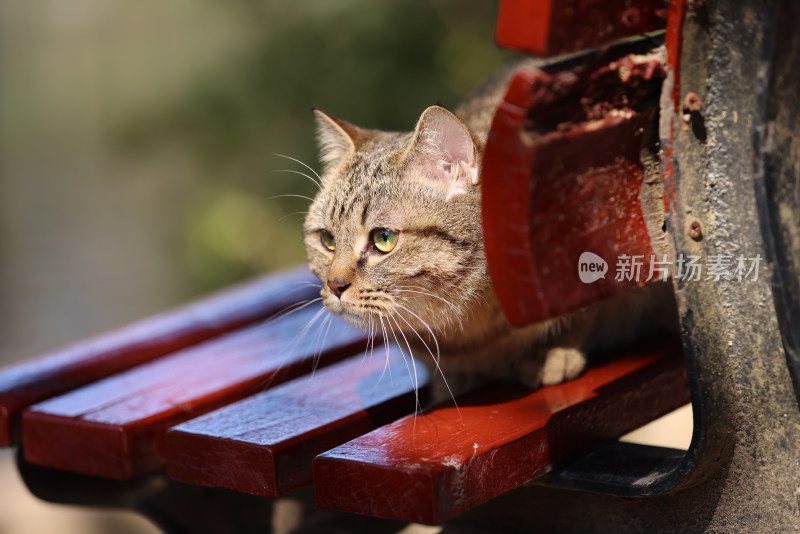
395 236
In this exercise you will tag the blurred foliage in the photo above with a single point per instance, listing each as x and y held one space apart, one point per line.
376 64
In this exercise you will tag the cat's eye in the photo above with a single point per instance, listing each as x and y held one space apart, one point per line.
384 240
327 240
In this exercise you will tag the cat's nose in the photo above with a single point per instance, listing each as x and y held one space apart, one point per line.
338 287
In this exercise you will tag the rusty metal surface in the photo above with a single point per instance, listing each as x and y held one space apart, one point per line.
777 174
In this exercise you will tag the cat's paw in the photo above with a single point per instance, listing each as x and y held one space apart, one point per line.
551 366
560 364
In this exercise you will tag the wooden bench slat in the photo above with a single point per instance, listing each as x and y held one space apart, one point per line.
265 444
114 427
552 27
563 175
56 372
436 466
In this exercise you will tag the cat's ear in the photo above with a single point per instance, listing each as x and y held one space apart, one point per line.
444 151
337 138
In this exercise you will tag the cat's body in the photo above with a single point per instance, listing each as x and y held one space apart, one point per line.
395 236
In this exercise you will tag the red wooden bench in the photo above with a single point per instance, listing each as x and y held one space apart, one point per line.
138 420
233 393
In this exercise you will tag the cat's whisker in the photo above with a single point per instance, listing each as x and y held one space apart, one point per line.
413 375
435 358
296 285
317 356
309 284
288 310
397 343
430 331
386 362
448 317
316 342
418 404
321 346
291 195
319 185
304 331
452 306
300 162
457 313
369 339
302 283
410 351
373 332
386 346
299 336
293 213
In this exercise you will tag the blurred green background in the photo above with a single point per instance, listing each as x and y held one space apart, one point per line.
137 139
136 152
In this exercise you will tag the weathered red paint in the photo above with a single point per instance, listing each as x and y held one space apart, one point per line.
550 27
265 444
673 41
561 176
36 379
115 427
432 467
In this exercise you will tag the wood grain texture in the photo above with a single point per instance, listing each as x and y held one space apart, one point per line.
562 175
436 466
80 363
115 427
552 27
265 444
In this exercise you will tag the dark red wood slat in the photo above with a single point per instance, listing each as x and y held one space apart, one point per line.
265 444
561 176
115 427
51 374
552 27
434 467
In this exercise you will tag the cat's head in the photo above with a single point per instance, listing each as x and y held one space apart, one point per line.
394 233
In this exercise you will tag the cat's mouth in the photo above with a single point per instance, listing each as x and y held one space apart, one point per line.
371 317
376 308
333 304
356 318
346 311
